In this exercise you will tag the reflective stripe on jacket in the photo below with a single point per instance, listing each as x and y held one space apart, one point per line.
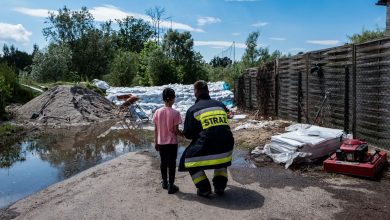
206 124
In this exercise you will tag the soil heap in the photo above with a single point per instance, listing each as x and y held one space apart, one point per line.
67 105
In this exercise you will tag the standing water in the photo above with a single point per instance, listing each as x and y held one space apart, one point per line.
32 165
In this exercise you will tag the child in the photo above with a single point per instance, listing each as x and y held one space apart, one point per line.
167 120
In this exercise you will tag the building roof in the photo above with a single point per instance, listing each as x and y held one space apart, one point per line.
382 2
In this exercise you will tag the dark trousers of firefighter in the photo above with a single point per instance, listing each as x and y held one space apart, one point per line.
202 182
168 154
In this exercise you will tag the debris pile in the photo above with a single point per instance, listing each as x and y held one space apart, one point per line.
254 125
67 105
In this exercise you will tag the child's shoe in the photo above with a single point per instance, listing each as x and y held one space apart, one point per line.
164 184
172 188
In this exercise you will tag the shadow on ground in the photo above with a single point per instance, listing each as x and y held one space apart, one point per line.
235 198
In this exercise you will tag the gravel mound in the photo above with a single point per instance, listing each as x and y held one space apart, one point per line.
67 105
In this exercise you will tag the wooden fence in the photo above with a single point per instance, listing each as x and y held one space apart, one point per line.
355 79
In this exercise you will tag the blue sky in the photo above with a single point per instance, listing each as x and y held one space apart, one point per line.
290 26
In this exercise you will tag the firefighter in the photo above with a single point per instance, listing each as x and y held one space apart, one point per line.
206 124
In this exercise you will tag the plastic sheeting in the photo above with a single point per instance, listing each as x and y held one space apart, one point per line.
100 84
303 141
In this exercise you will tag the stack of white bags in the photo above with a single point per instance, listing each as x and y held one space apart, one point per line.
151 97
302 142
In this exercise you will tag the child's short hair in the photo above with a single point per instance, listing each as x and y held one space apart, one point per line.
168 94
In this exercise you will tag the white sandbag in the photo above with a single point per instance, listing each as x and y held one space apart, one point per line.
151 100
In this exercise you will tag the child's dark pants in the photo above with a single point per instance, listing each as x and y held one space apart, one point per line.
168 154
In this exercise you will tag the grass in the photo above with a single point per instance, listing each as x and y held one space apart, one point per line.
9 135
50 85
7 129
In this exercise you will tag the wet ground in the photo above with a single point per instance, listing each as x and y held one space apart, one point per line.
35 163
62 153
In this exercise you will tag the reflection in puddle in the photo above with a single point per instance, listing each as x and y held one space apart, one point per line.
35 164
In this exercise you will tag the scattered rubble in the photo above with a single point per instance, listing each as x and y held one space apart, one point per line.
254 125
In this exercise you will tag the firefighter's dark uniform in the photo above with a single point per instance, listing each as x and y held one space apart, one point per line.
206 124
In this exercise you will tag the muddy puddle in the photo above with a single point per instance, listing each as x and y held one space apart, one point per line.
35 163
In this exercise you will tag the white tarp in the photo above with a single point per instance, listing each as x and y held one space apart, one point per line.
304 141
151 99
100 84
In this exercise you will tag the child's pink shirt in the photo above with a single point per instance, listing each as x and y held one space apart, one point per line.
165 120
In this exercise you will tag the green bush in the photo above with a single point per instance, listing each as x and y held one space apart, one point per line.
160 69
7 129
23 94
366 35
7 84
11 90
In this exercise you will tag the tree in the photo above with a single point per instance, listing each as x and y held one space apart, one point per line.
92 54
178 47
92 49
53 64
133 33
143 77
220 62
123 69
157 15
195 69
68 26
251 53
16 58
366 35
161 69
264 55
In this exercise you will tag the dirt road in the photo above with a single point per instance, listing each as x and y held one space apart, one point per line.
128 188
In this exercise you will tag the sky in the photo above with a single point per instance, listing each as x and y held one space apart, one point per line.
290 26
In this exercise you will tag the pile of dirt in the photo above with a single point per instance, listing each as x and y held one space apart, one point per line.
67 105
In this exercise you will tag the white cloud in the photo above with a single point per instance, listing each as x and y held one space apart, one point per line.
259 24
14 32
278 38
218 44
236 34
107 12
296 49
208 20
37 12
324 42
